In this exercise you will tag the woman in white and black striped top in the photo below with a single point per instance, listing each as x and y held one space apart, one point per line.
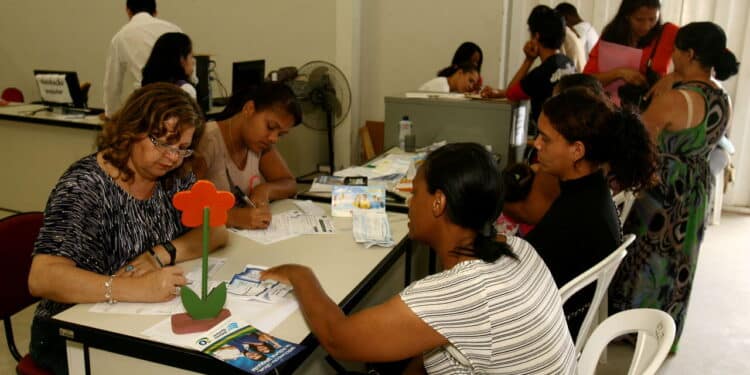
495 309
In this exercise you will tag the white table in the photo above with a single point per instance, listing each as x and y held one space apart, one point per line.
102 343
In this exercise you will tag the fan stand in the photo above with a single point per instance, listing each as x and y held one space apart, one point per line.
329 128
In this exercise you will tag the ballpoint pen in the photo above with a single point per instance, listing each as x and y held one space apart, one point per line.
156 258
238 193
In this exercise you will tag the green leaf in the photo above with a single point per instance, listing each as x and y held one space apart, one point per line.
208 309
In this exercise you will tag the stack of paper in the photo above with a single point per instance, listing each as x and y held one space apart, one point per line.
371 228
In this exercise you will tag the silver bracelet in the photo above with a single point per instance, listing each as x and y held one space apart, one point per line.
108 290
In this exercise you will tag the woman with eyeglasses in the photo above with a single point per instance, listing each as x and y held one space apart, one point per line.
110 231
238 153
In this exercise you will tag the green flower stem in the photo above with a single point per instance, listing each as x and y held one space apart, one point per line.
204 273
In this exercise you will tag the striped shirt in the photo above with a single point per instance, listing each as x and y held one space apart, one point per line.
90 220
504 317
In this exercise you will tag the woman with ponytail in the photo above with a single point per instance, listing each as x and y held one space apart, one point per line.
580 133
670 218
495 307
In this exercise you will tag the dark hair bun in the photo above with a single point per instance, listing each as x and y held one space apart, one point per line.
726 65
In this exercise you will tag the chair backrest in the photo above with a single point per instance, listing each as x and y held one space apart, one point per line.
602 273
12 94
17 236
656 332
367 147
624 202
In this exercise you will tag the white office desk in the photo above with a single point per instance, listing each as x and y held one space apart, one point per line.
346 270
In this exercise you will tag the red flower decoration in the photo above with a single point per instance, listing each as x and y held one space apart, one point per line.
203 194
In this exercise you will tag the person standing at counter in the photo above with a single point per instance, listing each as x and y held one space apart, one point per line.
172 61
129 50
110 231
238 153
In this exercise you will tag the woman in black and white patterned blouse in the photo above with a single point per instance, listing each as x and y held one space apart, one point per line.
111 208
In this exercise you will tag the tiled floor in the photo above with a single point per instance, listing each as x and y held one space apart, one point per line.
717 333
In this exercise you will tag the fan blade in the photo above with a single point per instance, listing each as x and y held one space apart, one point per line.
316 76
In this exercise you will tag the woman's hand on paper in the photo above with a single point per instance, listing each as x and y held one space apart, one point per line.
250 218
162 285
139 266
284 273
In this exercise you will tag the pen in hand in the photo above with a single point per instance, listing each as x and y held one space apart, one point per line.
238 192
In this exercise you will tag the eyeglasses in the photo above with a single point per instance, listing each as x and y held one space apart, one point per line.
166 148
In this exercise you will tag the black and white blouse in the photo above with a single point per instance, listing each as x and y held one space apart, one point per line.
98 225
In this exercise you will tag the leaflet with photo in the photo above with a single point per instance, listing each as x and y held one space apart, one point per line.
245 347
345 199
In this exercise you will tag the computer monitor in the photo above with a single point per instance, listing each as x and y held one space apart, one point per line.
247 73
60 88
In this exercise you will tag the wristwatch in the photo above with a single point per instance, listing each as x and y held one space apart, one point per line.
172 252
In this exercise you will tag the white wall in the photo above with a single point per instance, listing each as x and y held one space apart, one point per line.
405 43
75 34
384 47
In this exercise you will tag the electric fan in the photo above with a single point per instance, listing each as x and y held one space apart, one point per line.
325 98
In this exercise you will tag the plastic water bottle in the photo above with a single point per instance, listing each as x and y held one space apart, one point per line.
404 129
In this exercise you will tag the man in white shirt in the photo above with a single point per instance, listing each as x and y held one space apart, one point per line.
129 51
585 31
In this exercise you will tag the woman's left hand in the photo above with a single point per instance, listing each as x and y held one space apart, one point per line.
283 273
139 266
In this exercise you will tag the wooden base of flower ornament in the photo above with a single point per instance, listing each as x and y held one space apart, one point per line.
183 323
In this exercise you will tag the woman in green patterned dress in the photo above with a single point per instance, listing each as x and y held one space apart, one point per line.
669 219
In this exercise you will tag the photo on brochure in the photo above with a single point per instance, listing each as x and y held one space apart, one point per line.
252 350
344 199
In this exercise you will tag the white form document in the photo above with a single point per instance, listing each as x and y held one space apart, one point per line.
287 225
163 308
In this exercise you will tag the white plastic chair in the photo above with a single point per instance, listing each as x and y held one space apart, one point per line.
656 331
625 200
602 273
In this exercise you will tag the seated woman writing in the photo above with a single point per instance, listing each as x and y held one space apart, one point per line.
461 77
110 225
238 151
494 308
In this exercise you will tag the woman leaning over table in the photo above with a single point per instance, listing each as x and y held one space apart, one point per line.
495 305
239 150
111 209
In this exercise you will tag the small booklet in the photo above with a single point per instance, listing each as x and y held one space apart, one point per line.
247 348
344 199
